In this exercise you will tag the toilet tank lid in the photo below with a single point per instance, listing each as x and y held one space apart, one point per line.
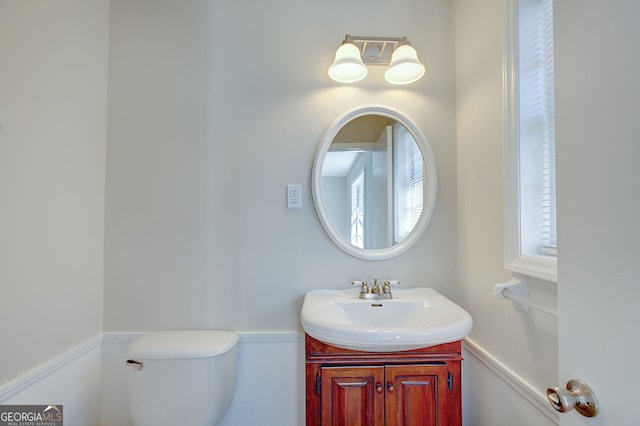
182 344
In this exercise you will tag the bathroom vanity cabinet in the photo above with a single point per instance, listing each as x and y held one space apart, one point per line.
419 387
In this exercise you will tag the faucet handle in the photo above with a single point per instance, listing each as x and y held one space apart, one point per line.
364 288
387 285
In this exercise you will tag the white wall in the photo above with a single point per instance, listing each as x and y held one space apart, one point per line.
53 89
525 343
213 108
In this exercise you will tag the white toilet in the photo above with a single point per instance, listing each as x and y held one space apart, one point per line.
182 377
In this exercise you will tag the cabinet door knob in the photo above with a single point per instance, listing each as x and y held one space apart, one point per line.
390 387
379 388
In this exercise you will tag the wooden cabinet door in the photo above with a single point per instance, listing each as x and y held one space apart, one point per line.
353 396
418 395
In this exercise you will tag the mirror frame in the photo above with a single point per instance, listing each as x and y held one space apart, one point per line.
430 194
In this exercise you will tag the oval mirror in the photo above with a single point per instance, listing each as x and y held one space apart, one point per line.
374 183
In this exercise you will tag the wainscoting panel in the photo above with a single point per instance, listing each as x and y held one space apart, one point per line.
494 395
90 380
72 379
269 390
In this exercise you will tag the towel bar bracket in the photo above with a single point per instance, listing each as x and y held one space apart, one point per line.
517 290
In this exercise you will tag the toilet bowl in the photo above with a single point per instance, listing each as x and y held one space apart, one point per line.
182 377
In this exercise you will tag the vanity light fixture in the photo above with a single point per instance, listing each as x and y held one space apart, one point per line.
356 52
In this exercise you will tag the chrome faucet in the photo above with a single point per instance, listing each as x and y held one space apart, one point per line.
376 292
376 289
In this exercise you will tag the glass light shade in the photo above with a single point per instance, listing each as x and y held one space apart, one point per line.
348 66
405 67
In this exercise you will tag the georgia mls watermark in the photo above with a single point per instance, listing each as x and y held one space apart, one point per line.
31 415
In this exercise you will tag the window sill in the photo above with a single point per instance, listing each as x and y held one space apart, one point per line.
537 267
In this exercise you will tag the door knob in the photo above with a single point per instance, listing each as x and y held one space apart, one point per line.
577 395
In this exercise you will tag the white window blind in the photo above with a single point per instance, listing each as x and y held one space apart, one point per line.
530 196
408 181
537 128
357 211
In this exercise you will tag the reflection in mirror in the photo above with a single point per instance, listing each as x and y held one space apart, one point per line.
374 183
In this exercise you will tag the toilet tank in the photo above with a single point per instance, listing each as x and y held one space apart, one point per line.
183 377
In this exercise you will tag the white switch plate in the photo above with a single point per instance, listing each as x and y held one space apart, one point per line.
294 196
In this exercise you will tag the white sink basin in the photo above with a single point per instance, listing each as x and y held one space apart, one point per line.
415 318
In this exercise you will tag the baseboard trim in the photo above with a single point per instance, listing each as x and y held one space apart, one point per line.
517 383
38 373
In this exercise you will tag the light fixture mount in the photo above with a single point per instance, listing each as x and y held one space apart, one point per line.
376 50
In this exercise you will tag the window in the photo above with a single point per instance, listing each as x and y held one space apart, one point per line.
408 182
357 211
530 222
